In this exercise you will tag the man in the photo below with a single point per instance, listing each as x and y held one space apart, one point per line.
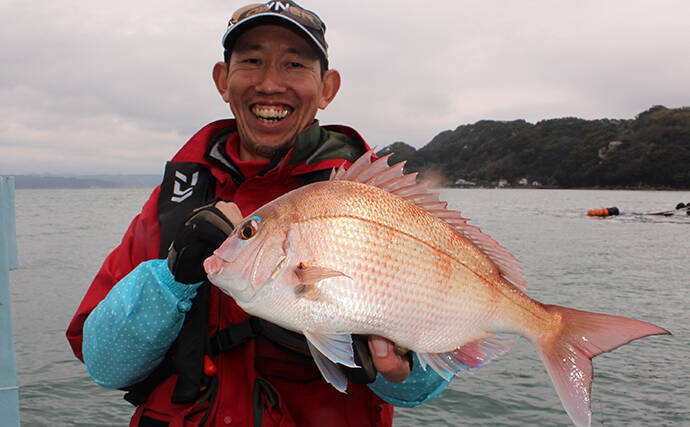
149 323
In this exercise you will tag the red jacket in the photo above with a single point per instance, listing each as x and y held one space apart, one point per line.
304 398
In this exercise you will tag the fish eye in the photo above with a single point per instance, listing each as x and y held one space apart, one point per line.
248 230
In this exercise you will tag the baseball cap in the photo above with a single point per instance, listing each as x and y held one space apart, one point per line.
288 12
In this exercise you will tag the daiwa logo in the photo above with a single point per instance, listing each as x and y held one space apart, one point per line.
277 6
184 186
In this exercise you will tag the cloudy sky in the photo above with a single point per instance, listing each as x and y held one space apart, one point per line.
117 87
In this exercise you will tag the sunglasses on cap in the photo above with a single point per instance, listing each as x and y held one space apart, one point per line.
304 21
289 9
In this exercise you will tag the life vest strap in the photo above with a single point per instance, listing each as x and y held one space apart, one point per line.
239 333
138 393
235 335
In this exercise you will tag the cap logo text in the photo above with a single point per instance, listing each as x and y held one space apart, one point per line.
278 6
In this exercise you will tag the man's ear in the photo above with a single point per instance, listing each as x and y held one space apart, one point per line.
331 84
220 77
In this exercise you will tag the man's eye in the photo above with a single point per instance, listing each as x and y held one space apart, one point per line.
253 61
294 64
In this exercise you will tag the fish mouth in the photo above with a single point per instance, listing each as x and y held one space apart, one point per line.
236 266
271 113
213 266
225 279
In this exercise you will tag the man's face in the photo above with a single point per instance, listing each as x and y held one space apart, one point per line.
274 87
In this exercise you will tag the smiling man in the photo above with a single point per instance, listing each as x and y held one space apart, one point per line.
274 85
185 352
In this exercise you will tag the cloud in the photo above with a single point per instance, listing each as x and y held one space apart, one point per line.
118 87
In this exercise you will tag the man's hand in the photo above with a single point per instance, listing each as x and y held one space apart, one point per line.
202 233
230 210
393 366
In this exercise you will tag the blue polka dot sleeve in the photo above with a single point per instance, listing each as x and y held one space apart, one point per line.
127 335
421 386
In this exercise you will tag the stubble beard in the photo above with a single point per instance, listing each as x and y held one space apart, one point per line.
268 151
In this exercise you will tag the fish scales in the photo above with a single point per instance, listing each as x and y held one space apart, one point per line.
377 300
408 281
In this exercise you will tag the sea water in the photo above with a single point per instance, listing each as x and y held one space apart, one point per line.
631 265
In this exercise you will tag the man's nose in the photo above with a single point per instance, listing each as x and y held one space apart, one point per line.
270 80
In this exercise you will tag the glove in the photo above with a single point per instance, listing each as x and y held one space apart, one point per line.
367 372
201 234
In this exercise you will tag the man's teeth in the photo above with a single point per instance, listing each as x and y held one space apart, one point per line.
270 113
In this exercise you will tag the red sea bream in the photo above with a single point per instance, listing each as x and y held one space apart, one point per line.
372 252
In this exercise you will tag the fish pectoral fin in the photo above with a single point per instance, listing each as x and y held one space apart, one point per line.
310 292
337 347
307 278
312 274
472 355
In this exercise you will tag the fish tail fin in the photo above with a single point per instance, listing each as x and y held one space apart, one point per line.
567 354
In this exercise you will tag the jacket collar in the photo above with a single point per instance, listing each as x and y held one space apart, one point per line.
306 143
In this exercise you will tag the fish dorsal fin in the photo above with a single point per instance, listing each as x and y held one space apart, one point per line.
392 179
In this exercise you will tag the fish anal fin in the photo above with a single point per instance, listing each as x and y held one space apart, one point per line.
478 353
472 355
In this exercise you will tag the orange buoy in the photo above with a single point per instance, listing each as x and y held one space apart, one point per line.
603 212
598 212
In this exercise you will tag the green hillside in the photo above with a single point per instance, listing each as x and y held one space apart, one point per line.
650 151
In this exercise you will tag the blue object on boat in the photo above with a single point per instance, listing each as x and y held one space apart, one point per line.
9 389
